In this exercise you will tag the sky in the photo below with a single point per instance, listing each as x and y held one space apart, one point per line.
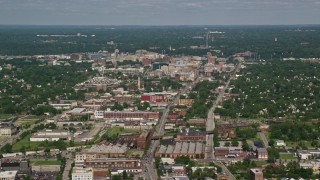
159 12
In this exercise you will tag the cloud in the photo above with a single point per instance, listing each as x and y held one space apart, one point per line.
157 11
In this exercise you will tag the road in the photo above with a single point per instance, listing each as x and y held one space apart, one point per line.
147 161
264 139
210 124
226 170
65 175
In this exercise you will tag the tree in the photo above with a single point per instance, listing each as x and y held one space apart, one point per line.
182 160
125 175
23 150
245 146
273 154
227 144
7 148
234 143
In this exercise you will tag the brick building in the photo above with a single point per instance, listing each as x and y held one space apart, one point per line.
130 165
191 135
143 139
128 115
101 151
256 174
146 62
190 149
129 99
185 102
262 153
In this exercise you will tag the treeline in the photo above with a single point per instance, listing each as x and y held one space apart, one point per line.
47 83
276 89
22 40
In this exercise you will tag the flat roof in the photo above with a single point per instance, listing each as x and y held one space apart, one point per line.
199 147
192 148
8 174
192 133
170 149
77 110
184 148
262 150
162 149
106 149
177 147
256 171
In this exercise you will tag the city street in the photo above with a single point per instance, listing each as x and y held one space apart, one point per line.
147 161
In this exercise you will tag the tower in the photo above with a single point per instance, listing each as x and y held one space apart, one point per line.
139 83
207 37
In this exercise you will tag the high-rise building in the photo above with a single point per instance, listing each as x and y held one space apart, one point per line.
256 174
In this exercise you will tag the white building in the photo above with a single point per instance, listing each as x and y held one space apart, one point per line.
98 114
6 131
50 135
280 143
8 175
82 173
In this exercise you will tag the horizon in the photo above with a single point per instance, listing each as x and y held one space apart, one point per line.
159 12
163 25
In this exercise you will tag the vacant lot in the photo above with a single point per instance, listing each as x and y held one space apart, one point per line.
25 142
45 162
27 120
5 116
115 131
287 156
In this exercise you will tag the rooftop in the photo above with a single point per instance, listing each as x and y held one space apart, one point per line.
256 171
107 149
77 110
8 174
262 150
81 170
192 133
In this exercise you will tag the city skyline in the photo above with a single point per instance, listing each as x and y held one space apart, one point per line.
159 12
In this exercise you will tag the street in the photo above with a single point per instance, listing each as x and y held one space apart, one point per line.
210 126
147 161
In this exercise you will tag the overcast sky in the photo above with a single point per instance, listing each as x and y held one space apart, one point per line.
159 12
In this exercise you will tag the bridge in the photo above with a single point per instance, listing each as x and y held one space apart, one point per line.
210 132
157 137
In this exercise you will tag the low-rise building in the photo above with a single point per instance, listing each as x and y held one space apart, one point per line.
21 166
222 176
82 173
7 130
128 115
280 143
185 102
262 153
51 135
8 175
101 151
190 149
143 139
129 165
191 135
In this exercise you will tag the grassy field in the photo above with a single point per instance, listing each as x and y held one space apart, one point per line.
25 142
26 120
47 162
113 131
134 153
261 163
5 116
287 156
291 144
